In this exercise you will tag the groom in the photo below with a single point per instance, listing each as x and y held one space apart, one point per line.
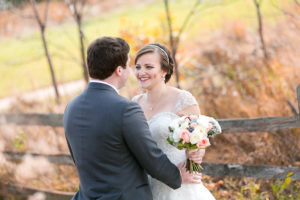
108 135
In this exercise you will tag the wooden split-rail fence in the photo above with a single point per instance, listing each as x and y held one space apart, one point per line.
263 124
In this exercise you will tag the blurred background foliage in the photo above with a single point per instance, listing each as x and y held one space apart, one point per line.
220 61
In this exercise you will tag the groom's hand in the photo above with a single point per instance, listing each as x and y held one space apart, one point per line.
196 155
187 177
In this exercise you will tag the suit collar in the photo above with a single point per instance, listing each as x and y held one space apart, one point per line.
105 83
102 86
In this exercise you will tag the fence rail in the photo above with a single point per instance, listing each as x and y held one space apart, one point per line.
58 159
228 125
211 169
27 191
254 171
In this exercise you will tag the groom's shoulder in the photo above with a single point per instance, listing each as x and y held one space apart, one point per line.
125 105
72 101
127 102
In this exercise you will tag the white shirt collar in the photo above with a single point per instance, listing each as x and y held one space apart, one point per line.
97 81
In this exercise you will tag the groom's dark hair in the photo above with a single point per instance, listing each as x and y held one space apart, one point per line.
105 54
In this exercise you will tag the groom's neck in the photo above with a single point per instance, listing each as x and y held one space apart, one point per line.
109 80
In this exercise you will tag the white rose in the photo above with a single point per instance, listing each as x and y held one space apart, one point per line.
177 135
195 137
174 124
181 120
196 129
184 125
200 130
202 122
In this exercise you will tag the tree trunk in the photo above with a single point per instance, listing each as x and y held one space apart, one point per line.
82 51
172 43
260 29
174 50
42 26
76 8
50 65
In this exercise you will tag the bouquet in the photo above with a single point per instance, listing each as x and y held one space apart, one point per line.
192 132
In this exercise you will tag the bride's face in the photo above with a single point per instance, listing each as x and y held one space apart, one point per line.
148 70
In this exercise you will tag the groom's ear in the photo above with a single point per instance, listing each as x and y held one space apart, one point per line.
118 71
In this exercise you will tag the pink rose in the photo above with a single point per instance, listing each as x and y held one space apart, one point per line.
203 143
193 117
193 125
185 136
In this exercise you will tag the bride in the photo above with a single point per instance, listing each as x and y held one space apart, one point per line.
161 104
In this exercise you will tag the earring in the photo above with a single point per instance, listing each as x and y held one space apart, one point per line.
163 77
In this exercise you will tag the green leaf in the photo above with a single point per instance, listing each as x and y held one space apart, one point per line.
168 139
180 147
287 180
211 133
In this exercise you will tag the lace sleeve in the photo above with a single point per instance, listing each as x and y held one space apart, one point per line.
185 99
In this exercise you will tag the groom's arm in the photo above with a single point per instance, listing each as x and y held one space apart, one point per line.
139 140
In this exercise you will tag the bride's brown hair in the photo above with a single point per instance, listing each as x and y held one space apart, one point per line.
166 60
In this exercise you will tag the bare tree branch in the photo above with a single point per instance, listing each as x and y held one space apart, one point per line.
83 2
68 3
66 51
186 20
169 21
36 13
211 5
46 12
260 27
297 2
70 6
77 15
42 26
285 12
293 109
172 41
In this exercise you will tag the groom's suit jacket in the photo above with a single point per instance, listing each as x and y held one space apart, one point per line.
111 145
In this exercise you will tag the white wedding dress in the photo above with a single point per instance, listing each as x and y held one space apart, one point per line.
158 125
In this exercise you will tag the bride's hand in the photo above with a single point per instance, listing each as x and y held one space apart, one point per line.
188 177
195 155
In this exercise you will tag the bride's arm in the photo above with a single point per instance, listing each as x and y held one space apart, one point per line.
198 154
